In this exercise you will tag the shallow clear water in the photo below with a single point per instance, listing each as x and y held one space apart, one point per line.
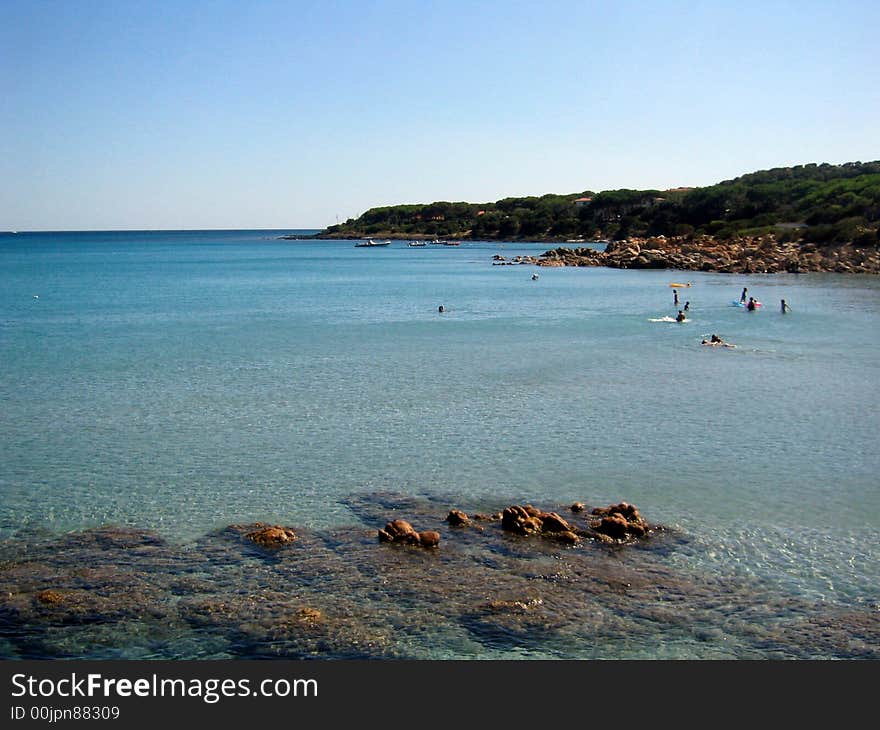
185 381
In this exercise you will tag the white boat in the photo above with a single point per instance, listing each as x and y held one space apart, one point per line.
415 244
370 244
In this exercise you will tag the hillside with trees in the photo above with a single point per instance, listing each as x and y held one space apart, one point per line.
813 203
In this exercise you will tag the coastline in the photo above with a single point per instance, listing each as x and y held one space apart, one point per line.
744 255
753 255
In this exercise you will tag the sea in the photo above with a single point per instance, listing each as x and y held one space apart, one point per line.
157 387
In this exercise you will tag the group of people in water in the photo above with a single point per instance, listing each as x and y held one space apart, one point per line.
750 303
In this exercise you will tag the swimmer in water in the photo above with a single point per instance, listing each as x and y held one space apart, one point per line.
716 341
680 317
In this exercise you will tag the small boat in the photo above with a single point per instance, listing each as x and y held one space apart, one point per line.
370 244
680 286
416 244
452 243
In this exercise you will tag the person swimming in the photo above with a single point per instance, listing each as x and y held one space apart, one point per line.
440 309
783 306
675 297
687 306
742 296
680 317
751 306
716 341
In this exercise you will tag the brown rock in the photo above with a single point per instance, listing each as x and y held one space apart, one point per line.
567 537
614 526
620 521
399 531
50 597
520 520
457 518
552 522
273 536
429 539
309 615
578 507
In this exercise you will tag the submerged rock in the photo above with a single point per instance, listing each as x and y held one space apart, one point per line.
110 593
272 536
50 597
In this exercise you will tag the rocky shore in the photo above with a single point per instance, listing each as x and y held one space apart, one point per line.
598 582
751 255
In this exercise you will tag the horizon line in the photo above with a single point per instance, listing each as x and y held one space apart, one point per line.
151 230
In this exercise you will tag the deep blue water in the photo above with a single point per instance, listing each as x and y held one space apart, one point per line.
185 380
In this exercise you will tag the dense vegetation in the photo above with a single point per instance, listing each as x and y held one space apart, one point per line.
816 203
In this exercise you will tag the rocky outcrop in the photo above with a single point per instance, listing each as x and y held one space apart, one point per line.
107 591
528 520
457 518
271 536
401 531
613 524
619 521
746 254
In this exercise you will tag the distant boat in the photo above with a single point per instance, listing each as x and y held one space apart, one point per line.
452 243
415 244
370 244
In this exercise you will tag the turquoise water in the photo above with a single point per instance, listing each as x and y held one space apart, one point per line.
184 381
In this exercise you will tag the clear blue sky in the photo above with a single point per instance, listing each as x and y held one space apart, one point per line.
154 114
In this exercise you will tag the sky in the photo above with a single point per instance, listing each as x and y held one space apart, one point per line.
125 115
